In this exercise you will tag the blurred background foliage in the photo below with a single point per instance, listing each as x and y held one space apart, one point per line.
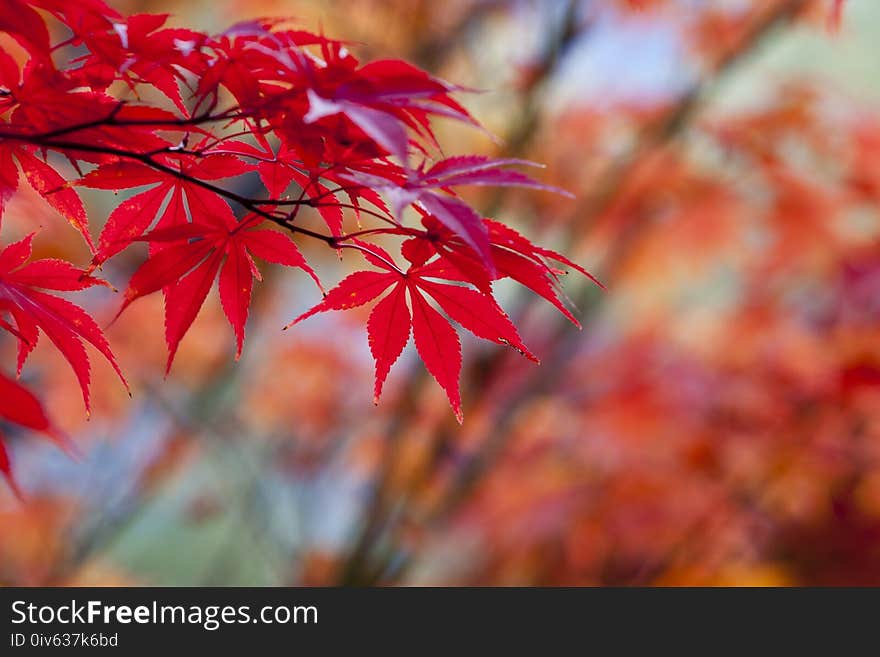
716 422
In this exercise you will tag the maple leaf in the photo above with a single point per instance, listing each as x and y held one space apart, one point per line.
382 98
141 52
305 112
32 310
47 182
428 187
18 406
391 320
26 26
388 329
381 127
193 256
514 257
279 170
176 194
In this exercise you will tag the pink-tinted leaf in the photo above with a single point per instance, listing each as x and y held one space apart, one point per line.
463 221
381 127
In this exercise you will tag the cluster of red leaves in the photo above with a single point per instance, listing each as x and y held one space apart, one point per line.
296 110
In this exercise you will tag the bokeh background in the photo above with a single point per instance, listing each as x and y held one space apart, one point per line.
716 422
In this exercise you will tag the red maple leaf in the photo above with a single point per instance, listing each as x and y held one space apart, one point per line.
320 129
193 256
19 407
47 182
174 196
33 311
514 257
392 320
